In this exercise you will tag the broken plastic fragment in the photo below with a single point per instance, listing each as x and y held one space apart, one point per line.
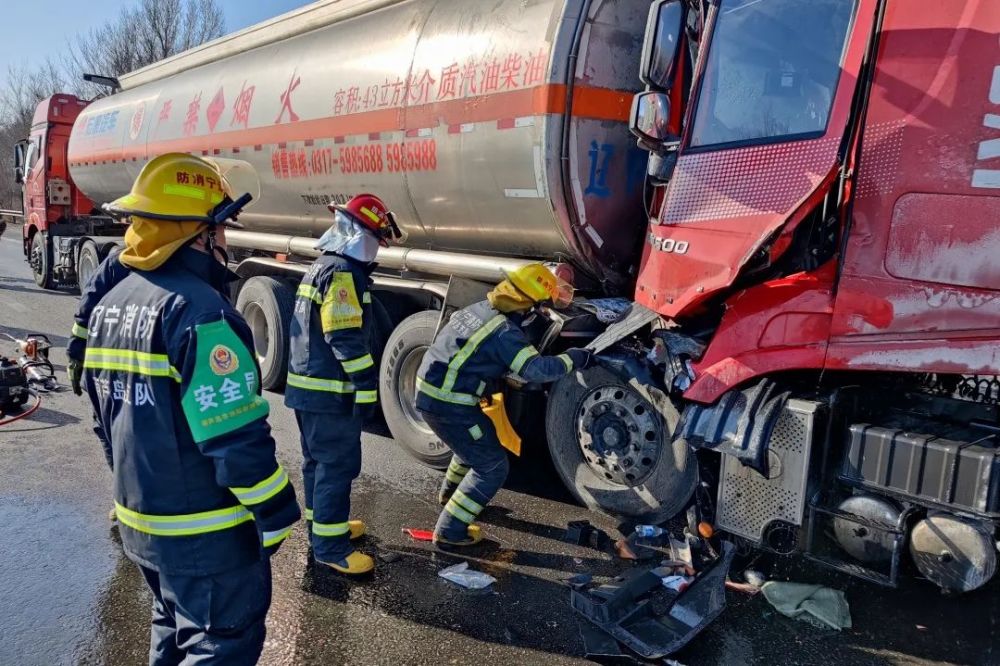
419 535
460 574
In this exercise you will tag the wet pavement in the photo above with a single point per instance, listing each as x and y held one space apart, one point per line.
69 596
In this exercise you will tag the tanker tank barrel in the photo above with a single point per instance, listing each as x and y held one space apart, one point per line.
433 262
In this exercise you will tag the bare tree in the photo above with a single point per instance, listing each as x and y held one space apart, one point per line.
24 87
142 34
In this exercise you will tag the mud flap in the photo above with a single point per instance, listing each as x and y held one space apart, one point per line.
651 619
739 425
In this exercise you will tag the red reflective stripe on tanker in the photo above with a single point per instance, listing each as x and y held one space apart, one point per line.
588 102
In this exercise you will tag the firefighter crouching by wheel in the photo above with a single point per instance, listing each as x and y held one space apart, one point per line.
477 347
332 378
201 501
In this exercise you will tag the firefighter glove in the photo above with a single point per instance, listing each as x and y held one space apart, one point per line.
75 372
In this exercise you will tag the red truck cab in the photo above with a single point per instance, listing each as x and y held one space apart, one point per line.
62 229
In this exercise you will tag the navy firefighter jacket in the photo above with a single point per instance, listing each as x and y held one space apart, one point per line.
168 368
108 274
330 366
479 345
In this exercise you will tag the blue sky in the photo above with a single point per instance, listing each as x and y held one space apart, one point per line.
32 30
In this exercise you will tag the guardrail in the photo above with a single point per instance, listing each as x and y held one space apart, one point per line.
11 213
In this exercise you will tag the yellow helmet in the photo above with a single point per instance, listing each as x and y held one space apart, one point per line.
175 187
540 284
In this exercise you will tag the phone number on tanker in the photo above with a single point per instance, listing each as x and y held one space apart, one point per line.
411 156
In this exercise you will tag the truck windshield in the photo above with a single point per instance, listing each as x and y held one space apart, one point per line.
772 70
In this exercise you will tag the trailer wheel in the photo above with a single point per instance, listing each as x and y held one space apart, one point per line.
614 451
267 305
40 259
87 261
398 377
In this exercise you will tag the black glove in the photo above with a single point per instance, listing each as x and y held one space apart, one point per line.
75 371
581 357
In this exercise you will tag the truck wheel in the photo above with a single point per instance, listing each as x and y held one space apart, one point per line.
267 305
613 450
398 378
87 262
40 259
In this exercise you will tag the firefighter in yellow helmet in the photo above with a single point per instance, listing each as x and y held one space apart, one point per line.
476 348
201 500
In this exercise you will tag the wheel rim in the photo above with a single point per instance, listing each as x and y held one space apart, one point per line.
85 271
37 258
406 388
619 434
257 321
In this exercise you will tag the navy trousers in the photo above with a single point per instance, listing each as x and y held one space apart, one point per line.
209 620
331 453
478 469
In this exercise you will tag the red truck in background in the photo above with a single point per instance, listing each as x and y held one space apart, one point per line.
65 236
811 355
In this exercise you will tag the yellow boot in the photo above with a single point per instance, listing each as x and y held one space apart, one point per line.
355 564
358 529
475 535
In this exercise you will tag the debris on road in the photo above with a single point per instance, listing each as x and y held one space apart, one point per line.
652 617
599 645
462 575
579 581
419 535
754 577
817 605
624 550
582 533
745 588
676 583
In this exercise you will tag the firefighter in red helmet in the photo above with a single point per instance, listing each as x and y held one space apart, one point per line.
332 376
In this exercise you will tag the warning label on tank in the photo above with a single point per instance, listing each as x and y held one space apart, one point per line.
404 157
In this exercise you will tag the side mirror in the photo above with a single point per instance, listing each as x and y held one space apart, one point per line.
29 159
650 121
19 162
661 43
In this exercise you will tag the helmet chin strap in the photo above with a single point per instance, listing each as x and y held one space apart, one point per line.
213 247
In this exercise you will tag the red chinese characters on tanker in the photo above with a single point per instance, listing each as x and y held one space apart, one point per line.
475 76
396 157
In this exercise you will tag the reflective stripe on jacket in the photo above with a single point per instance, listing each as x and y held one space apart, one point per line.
330 363
479 345
176 390
108 274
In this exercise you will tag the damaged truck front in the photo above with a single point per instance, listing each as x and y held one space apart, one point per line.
812 354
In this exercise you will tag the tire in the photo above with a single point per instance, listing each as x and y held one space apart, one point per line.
87 261
267 304
40 259
397 378
664 472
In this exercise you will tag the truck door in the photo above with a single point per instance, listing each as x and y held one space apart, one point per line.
33 188
920 285
773 96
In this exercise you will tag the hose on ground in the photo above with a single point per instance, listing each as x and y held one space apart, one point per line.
29 412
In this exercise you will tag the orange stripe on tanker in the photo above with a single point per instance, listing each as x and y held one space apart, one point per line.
588 102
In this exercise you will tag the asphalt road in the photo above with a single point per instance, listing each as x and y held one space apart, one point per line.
69 596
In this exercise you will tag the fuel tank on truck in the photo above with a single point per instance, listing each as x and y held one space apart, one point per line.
495 127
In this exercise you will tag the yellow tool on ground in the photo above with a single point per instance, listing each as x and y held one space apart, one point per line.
495 412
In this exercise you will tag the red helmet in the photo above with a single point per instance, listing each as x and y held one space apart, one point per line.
371 212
